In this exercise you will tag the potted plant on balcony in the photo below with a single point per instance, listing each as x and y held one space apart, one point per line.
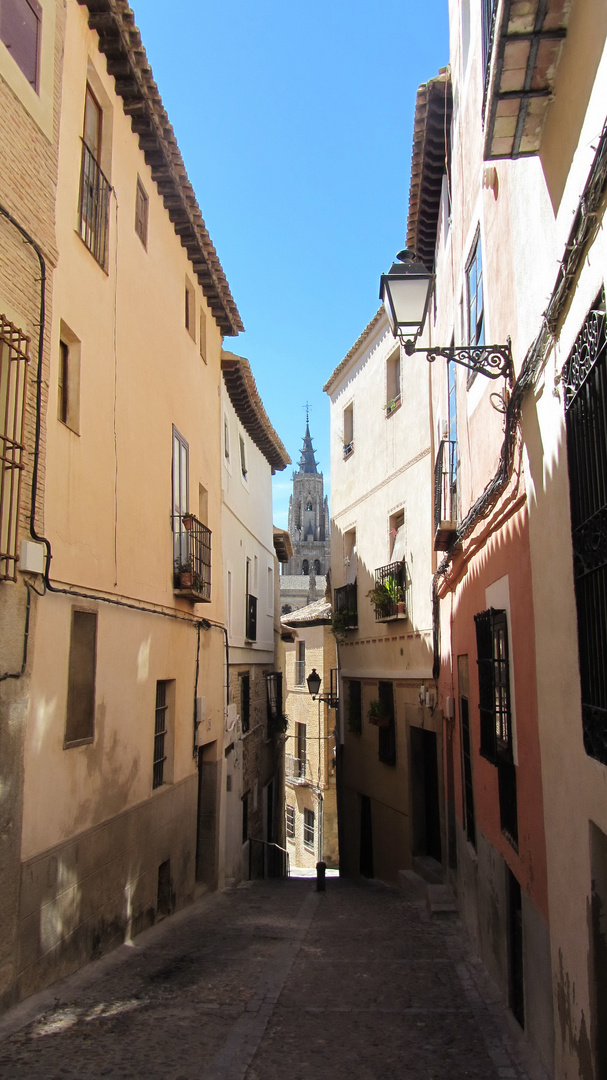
378 714
342 621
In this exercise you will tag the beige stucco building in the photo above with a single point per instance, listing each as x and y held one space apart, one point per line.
254 735
114 713
381 475
310 771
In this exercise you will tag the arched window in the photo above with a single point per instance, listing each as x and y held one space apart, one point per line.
309 504
317 566
305 567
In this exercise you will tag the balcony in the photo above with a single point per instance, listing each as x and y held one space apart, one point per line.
192 561
295 771
345 608
445 495
388 593
348 449
522 45
94 207
251 627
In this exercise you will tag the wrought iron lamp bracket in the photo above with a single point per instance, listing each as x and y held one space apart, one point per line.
490 360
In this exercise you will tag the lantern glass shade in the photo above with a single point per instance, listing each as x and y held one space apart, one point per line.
405 291
313 682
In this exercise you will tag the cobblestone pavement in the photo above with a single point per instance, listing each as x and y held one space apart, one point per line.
273 980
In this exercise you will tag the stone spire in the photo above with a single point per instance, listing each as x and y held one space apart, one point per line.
307 461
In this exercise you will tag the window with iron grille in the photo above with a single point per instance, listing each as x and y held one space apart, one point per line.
493 684
387 732
308 830
585 385
14 360
290 810
20 26
494 705
94 186
300 746
245 701
160 734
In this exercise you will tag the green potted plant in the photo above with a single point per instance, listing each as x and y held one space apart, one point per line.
378 714
342 621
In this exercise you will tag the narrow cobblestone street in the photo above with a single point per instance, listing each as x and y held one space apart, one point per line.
273 980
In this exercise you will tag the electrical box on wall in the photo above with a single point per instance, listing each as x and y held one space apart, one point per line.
31 557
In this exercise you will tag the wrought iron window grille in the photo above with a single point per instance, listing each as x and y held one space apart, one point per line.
94 206
584 380
345 607
445 494
388 595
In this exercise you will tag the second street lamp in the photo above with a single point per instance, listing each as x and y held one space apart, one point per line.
405 292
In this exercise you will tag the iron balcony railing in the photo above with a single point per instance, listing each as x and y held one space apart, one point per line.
251 628
192 563
445 494
389 591
348 449
346 606
295 770
94 206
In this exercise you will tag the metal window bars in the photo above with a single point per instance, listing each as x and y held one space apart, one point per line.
445 494
389 591
346 606
192 566
94 206
14 360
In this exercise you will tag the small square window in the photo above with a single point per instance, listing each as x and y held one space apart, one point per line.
141 213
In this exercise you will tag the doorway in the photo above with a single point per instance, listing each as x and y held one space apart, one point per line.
425 804
206 828
366 837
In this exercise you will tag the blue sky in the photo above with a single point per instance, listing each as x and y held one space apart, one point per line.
295 122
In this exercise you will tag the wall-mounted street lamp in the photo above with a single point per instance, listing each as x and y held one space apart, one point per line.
314 680
405 292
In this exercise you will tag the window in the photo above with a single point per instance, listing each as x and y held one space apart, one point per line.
493 683
190 309
20 25
475 300
161 735
141 213
68 380
393 383
203 334
387 733
245 817
317 566
494 705
274 702
14 358
226 440
308 830
243 458
300 664
397 536
584 380
355 706
348 430
94 187
305 567
245 701
80 714
290 813
300 747
181 454
251 602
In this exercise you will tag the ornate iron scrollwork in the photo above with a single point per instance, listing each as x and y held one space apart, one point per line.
490 360
590 343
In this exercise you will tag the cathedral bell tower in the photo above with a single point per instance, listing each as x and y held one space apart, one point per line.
309 526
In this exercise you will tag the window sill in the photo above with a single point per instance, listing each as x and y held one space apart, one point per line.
392 407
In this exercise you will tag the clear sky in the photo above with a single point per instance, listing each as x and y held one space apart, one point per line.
295 122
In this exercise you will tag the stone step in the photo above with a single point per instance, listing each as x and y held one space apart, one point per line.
440 901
